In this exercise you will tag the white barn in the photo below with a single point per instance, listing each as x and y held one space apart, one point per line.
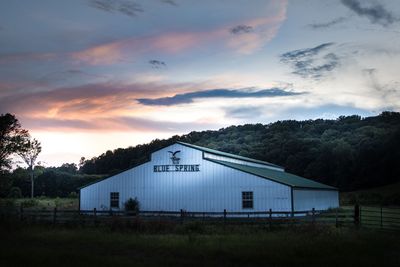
193 178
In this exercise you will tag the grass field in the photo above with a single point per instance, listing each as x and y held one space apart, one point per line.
317 246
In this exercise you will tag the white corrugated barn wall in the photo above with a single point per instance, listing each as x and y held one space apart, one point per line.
213 188
306 199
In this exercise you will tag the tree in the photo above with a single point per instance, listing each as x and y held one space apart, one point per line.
69 168
29 150
11 138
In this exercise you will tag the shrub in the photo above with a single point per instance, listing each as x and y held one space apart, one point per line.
73 195
15 192
132 205
28 203
57 202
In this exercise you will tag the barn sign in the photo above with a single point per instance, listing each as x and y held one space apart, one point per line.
177 168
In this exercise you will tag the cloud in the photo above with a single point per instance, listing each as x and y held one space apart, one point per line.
326 111
312 62
251 35
163 126
61 76
57 123
189 97
88 100
169 2
101 106
157 64
125 7
305 53
328 24
240 29
376 13
264 30
24 57
388 91
128 50
116 123
244 112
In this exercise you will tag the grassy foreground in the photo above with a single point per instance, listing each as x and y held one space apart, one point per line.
47 246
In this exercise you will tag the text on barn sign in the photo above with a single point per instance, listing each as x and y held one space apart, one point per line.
177 168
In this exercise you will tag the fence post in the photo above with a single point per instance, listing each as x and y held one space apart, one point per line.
357 215
270 218
336 218
224 216
21 212
381 218
95 216
55 215
182 215
313 215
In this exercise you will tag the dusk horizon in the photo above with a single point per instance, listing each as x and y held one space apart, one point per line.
85 77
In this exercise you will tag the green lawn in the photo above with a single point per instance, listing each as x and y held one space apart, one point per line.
41 246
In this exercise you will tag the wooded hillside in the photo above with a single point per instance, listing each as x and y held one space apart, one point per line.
350 152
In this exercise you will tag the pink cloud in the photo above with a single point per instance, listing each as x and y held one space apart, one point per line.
264 30
101 54
117 123
129 49
83 102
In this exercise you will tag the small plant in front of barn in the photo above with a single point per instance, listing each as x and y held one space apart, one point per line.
132 206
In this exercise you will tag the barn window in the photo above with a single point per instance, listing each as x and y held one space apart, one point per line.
114 199
247 200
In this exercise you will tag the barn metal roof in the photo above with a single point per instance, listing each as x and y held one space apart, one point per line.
229 155
277 176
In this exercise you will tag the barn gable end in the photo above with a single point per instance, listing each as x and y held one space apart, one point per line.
183 176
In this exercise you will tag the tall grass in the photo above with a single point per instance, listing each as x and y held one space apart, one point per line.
300 246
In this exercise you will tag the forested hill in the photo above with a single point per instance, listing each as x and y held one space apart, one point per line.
350 152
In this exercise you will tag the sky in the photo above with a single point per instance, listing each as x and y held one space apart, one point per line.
86 76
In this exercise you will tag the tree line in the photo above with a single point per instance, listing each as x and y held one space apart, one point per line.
350 153
16 140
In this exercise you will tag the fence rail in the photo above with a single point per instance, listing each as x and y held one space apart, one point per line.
368 217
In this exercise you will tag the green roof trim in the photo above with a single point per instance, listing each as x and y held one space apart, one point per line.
277 176
229 155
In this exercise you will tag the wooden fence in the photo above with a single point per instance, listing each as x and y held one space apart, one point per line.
356 216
